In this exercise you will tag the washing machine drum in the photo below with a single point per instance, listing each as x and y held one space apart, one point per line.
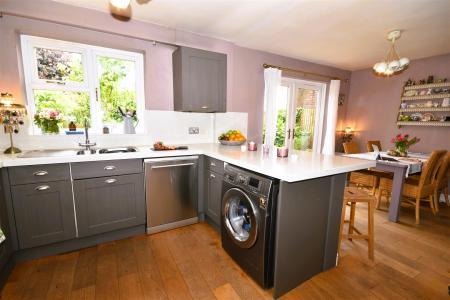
240 217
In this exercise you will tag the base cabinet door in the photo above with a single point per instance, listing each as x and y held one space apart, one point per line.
214 196
44 213
109 203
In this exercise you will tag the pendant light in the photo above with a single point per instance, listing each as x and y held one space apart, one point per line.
393 64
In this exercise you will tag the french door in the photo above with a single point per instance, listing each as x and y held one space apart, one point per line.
301 104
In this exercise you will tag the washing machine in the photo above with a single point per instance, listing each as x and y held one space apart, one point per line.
248 220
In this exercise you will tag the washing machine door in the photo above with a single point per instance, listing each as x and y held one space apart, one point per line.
240 217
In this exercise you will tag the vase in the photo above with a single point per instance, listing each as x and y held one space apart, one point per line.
50 128
402 151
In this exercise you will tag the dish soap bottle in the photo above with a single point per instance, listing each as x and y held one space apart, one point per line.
72 126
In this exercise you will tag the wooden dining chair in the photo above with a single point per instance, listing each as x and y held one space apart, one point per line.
415 190
441 181
351 148
361 178
370 145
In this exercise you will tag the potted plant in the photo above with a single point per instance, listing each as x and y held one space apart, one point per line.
48 121
402 143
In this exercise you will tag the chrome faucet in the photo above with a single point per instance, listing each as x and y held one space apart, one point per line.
87 144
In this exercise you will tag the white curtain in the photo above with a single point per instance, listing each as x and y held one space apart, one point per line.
272 80
332 110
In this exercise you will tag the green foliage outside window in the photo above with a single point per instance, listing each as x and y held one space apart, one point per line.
115 89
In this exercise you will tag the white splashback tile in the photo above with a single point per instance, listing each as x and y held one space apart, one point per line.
171 127
230 121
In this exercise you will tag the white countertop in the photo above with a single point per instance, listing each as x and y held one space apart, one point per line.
300 165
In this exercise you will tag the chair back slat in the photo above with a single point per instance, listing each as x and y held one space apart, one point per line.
351 148
429 170
371 143
442 170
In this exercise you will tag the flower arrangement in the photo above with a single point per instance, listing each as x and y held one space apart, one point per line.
402 143
48 120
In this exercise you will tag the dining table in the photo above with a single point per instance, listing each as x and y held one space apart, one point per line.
401 168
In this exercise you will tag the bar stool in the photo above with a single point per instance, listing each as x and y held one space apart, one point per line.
354 195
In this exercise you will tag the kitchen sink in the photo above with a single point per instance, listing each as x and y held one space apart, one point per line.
117 150
73 152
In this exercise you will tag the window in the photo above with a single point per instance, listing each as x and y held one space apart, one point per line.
300 109
83 81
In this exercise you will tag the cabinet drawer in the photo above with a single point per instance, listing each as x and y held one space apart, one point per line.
106 168
214 165
44 213
38 173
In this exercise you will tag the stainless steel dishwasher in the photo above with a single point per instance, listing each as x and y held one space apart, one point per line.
171 192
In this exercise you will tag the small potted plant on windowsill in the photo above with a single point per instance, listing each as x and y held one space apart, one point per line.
48 121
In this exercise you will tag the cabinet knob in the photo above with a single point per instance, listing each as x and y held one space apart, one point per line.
204 107
111 180
40 173
42 188
109 168
213 164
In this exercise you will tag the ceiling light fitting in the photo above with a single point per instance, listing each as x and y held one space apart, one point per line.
121 4
393 64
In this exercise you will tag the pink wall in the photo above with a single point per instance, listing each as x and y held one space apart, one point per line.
373 105
245 72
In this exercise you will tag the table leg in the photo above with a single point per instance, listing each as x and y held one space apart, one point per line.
396 194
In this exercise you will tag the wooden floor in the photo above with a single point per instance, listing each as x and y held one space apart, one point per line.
411 262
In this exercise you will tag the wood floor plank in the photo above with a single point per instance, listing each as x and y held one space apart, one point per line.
86 293
130 287
226 292
61 284
173 282
85 269
106 274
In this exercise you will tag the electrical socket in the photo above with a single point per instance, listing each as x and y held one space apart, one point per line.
194 130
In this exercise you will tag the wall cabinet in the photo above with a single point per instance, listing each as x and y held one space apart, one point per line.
199 80
43 212
109 203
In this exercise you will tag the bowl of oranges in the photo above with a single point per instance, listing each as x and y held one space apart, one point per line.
232 138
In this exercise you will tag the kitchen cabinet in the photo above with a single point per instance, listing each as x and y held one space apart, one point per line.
199 80
109 203
214 196
43 212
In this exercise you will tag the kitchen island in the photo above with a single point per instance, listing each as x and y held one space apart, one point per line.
308 205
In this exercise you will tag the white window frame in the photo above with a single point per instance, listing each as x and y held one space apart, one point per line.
90 83
294 85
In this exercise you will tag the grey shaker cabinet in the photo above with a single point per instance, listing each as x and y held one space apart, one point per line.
44 213
109 203
214 196
199 80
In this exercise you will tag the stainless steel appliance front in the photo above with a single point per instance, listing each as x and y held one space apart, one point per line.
171 192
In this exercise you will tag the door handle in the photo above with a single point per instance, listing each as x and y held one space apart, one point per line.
42 188
40 173
213 164
212 176
110 180
109 168
204 107
289 134
170 166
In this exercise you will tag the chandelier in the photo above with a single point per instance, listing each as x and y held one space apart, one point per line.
393 64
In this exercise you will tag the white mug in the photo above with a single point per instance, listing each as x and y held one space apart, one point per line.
446 102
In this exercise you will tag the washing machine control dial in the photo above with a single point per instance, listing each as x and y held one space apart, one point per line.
241 179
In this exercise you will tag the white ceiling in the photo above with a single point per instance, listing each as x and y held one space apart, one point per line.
350 34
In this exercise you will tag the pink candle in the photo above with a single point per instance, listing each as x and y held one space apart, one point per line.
252 146
282 152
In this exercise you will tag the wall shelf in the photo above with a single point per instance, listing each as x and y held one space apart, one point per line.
427 86
424 109
426 97
421 123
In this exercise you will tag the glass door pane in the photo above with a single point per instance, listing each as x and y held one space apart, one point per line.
281 138
305 106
